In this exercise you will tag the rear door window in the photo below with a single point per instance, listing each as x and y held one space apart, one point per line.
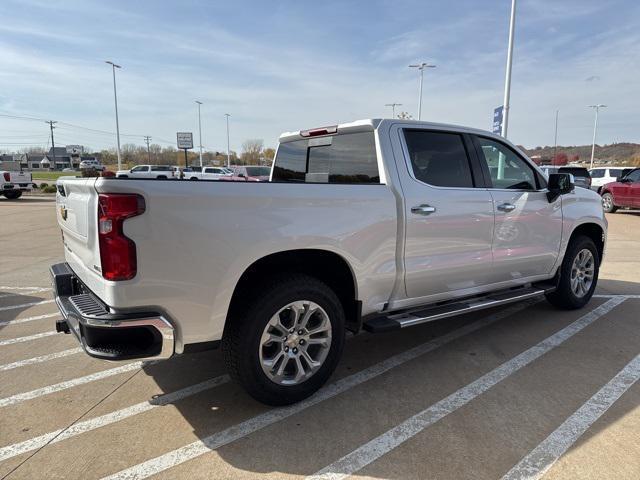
615 172
439 158
347 158
597 173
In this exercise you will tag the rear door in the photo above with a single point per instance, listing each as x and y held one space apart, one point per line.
449 222
633 189
528 229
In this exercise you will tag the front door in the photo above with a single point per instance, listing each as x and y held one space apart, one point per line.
528 229
449 222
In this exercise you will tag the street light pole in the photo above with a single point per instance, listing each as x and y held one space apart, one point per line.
200 129
507 81
228 151
421 66
595 130
115 97
393 108
555 137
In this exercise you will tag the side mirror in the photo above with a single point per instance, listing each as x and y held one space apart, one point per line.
559 184
624 180
241 175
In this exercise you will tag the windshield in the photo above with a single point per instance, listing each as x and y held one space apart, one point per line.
258 171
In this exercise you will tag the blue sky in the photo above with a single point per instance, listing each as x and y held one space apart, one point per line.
279 66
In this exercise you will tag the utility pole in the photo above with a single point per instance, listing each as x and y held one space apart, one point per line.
555 138
147 139
228 151
421 66
200 129
393 108
53 144
595 130
507 81
115 97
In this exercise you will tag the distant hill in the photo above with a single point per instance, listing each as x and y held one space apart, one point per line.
618 153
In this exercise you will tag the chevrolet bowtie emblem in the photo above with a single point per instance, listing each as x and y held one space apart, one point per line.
63 212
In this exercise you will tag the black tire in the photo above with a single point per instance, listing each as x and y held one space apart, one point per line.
123 176
241 342
193 178
564 296
13 195
607 203
161 177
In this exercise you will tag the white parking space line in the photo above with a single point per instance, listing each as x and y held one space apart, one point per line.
28 319
28 338
23 292
243 429
542 458
613 295
21 397
109 418
383 444
26 305
40 359
42 289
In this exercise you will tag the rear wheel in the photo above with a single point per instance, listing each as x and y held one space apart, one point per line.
578 275
13 195
161 177
284 346
607 203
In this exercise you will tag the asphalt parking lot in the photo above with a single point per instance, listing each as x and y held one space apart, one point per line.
523 391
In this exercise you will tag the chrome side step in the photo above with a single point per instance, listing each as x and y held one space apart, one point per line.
398 320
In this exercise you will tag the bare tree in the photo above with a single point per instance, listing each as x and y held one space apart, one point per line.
252 151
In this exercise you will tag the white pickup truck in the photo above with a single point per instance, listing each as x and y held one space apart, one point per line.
13 184
207 173
158 172
374 225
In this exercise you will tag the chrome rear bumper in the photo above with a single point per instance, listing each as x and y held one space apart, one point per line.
103 334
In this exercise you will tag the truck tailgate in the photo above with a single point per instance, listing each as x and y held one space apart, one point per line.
76 210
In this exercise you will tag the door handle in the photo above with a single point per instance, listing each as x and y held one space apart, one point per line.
507 207
423 210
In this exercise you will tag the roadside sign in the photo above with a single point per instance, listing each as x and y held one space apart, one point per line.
75 149
185 140
497 119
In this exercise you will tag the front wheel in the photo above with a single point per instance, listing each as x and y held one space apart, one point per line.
284 346
607 203
578 275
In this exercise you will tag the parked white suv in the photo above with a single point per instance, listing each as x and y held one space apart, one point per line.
91 164
375 225
162 172
602 175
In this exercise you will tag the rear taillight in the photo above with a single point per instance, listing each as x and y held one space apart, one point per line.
7 177
117 252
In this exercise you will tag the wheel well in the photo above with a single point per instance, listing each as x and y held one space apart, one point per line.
326 266
594 232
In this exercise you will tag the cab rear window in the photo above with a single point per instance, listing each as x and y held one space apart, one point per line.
348 158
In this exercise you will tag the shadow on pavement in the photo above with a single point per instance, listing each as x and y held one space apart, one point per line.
12 304
228 405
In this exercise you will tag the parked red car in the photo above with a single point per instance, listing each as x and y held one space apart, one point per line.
625 192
